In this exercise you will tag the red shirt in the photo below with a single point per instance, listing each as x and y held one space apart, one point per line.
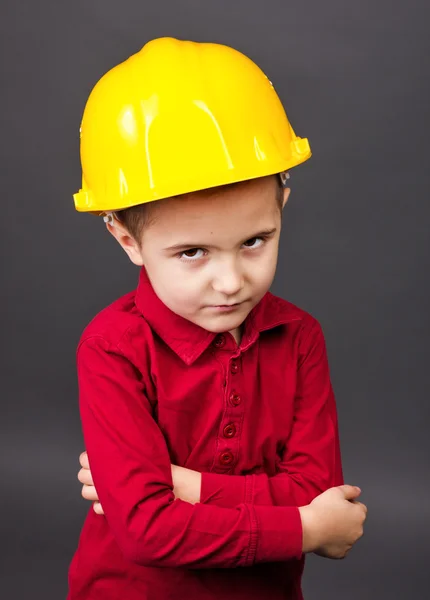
258 420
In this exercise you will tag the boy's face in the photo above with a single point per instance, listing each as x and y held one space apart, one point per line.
211 255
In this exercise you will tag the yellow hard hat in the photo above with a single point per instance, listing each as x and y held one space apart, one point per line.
177 117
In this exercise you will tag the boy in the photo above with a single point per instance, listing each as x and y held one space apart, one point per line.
184 151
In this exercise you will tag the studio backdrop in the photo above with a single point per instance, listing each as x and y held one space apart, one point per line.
354 78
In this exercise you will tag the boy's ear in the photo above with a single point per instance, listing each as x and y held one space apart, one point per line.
126 241
287 192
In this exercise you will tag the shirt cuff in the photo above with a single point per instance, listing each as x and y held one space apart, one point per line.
227 491
279 534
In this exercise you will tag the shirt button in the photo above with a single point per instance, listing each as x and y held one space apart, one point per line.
229 430
235 399
219 341
226 458
234 368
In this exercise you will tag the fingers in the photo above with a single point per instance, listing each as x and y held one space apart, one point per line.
97 507
85 477
83 460
363 506
350 491
89 492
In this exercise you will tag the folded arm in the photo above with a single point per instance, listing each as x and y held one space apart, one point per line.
132 473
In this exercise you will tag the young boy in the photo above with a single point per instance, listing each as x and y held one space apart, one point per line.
206 403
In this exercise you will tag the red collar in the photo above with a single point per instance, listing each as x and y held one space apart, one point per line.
189 340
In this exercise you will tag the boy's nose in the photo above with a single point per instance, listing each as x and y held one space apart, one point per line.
228 281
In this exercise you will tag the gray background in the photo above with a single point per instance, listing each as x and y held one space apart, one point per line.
354 77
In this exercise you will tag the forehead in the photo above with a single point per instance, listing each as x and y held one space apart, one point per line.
227 212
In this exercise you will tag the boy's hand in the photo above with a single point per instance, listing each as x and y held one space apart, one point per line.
186 484
333 522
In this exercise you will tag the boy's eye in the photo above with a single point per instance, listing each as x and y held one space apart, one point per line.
253 242
191 254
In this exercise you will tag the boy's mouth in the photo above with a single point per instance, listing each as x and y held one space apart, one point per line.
226 307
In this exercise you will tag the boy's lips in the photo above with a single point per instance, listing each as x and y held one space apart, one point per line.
225 307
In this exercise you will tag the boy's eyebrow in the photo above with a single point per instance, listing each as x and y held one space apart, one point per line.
177 247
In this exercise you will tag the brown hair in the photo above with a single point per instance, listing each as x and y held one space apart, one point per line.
136 218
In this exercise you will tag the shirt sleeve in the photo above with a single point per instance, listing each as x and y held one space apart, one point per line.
311 462
131 470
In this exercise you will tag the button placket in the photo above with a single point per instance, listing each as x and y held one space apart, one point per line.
229 434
